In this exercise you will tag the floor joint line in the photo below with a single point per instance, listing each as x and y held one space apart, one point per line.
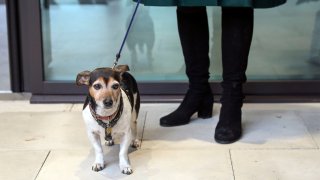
144 125
307 128
42 165
70 109
234 177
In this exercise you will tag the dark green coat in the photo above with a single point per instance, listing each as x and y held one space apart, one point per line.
223 3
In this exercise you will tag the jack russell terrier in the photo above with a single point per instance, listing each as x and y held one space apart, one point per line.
111 110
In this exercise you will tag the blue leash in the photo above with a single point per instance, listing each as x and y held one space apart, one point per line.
125 37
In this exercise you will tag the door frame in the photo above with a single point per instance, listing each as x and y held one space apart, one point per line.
27 69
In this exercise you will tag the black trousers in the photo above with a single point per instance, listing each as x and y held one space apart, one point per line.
237 29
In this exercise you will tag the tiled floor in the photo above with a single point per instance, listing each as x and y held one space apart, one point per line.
280 141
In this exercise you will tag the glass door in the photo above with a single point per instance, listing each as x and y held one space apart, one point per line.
78 35
83 35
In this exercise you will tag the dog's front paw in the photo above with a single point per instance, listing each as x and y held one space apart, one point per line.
109 142
135 143
97 167
127 170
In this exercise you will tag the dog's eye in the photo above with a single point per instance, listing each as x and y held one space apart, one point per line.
115 86
97 86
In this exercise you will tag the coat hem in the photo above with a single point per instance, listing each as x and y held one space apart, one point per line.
208 3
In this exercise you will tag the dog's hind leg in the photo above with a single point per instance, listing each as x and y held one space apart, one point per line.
94 138
134 116
135 143
123 154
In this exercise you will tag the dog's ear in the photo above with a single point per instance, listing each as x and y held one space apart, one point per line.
122 68
83 78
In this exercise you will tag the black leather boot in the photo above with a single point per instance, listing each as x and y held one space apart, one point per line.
194 38
237 29
229 129
193 102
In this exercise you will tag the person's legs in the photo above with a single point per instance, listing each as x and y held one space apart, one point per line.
237 29
194 38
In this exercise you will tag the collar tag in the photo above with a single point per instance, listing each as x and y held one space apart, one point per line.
108 132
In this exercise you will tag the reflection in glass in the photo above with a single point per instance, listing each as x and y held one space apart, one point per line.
4 53
315 38
84 34
141 41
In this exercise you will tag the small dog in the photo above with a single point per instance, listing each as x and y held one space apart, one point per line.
111 109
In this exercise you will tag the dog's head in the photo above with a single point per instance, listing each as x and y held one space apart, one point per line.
104 86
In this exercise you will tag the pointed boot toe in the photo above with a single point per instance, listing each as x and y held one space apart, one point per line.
174 119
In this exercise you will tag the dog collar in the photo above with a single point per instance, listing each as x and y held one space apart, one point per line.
104 118
111 120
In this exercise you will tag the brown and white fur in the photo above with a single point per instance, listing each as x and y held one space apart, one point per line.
106 87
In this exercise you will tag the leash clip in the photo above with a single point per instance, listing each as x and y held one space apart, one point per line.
115 63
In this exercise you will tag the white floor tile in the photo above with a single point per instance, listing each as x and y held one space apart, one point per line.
261 129
18 165
304 107
312 121
43 130
159 164
276 164
77 108
76 164
274 129
198 133
147 164
25 106
52 130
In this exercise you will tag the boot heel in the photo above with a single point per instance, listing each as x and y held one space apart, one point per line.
205 110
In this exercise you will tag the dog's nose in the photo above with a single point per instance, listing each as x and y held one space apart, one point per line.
108 102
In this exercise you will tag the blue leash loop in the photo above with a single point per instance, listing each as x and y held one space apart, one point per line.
125 37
